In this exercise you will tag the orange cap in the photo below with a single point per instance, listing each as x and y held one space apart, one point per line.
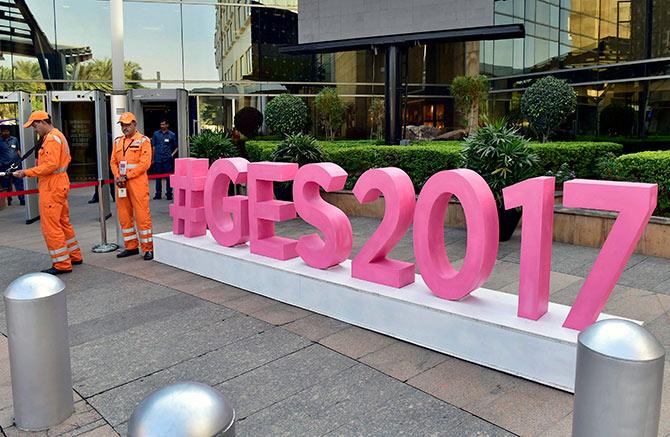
35 116
127 117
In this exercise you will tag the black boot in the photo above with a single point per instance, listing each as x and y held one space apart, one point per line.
55 271
128 252
149 255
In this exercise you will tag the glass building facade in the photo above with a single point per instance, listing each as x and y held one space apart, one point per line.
226 54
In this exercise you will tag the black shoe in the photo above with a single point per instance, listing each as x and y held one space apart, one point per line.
77 263
148 256
92 201
168 197
128 252
22 202
157 197
55 271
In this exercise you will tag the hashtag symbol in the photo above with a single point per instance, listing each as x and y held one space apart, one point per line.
188 209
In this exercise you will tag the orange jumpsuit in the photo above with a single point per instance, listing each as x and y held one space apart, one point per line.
136 151
54 185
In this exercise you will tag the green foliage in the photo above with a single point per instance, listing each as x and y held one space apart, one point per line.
546 104
564 174
608 167
580 157
500 155
330 109
617 119
377 114
101 69
469 93
650 167
248 120
298 148
286 114
212 145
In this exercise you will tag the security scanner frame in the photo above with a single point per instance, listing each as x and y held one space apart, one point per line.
55 99
27 141
137 98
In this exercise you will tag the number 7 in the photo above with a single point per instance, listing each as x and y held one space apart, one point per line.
635 203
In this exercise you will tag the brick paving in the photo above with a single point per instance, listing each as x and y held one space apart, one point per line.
136 326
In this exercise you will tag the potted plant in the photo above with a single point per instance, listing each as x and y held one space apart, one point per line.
502 157
213 145
297 148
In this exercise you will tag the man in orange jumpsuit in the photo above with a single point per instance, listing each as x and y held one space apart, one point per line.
53 158
130 161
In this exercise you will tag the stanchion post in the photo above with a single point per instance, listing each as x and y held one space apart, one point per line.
104 246
619 379
185 409
39 351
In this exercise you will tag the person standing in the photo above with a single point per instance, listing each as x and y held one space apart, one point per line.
164 143
130 161
10 153
53 158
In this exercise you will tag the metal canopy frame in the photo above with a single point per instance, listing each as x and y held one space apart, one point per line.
396 48
97 98
137 98
27 141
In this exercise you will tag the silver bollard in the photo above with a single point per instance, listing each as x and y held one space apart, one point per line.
39 351
618 382
185 409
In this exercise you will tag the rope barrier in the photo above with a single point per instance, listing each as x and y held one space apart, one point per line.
76 186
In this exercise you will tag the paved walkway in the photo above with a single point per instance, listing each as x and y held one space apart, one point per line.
136 326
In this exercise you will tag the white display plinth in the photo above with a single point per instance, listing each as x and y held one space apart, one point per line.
482 328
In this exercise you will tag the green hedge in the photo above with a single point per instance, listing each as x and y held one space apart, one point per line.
651 167
634 145
423 159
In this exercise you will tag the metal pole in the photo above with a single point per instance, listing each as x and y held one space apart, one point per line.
618 381
392 97
103 247
118 98
185 409
39 351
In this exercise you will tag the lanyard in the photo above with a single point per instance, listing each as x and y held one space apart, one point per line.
123 145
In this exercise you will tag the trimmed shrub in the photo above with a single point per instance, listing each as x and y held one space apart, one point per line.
579 157
650 167
248 120
546 104
286 114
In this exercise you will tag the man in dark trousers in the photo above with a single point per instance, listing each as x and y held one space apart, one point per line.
10 153
164 143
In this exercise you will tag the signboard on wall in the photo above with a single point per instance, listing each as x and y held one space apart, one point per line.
334 20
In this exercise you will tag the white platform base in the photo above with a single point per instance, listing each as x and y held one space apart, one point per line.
482 328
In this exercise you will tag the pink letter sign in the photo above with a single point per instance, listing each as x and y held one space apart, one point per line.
188 209
371 263
635 204
332 222
264 210
219 206
536 197
481 218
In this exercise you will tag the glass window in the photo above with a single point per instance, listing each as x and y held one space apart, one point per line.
200 28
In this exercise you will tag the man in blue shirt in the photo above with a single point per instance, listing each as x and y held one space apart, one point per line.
10 153
164 143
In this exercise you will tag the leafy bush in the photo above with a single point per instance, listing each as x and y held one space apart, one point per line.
286 114
469 93
650 167
248 120
500 155
298 148
564 174
546 104
581 157
331 109
607 167
212 145
617 119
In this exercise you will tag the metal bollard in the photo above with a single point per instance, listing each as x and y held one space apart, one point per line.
39 351
185 409
618 382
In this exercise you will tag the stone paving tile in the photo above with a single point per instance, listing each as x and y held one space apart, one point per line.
316 326
212 368
462 383
403 360
250 303
221 293
103 431
561 428
542 408
356 401
282 378
664 423
356 342
281 314
148 348
557 282
504 273
647 275
659 328
84 418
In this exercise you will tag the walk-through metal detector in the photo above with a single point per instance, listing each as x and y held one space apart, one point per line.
151 106
19 102
82 117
